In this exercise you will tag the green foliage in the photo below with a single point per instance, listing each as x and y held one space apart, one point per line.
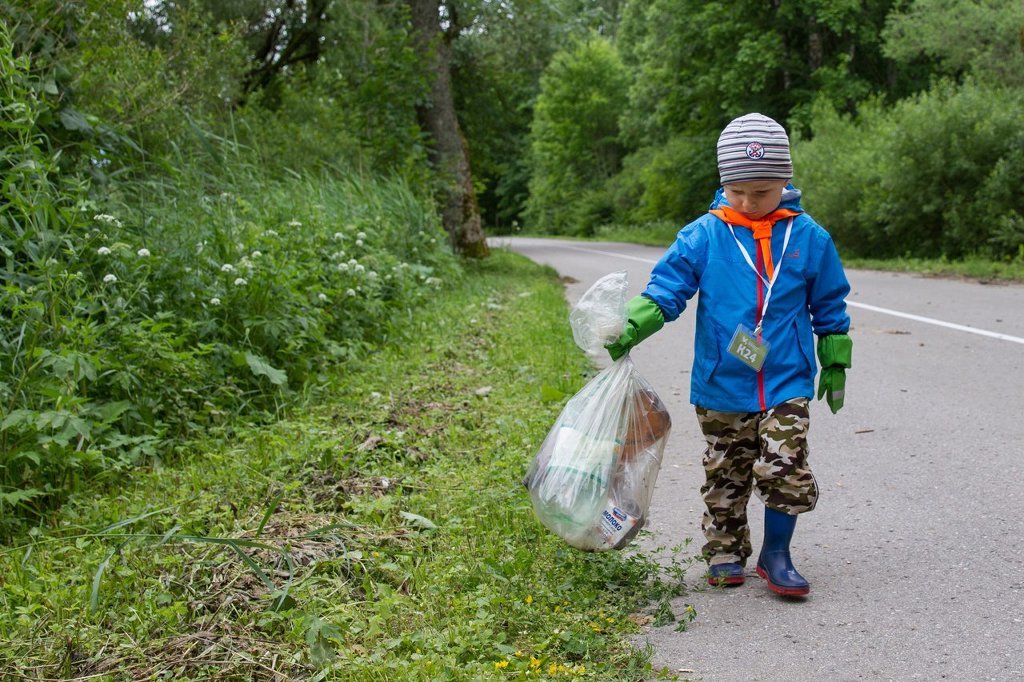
936 175
381 535
696 65
497 64
192 307
355 110
980 38
167 263
574 137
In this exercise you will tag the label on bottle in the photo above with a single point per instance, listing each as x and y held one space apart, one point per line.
615 523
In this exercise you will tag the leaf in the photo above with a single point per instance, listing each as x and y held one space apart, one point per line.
550 394
19 496
127 522
260 367
270 511
74 120
237 545
419 521
15 418
321 648
94 594
108 412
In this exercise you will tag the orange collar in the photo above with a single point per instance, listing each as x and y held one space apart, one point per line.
762 229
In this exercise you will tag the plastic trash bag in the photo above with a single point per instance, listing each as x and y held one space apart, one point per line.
592 478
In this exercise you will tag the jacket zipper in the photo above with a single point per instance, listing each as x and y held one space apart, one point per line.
757 315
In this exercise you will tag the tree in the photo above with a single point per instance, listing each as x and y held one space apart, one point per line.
574 137
983 39
460 213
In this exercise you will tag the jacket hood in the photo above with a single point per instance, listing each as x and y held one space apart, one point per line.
790 199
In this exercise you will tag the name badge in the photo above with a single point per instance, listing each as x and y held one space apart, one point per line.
747 349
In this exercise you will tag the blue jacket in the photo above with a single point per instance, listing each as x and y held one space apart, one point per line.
808 298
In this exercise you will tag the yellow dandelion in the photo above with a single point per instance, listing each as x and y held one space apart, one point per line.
534 663
529 599
518 654
498 665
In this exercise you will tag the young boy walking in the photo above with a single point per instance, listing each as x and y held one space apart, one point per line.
769 279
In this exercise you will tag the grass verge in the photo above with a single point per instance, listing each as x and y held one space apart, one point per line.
381 535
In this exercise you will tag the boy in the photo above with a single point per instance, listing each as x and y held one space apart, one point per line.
769 279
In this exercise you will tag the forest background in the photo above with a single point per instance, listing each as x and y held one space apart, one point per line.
206 202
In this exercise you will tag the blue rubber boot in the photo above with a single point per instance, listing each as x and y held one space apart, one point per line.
725 575
775 564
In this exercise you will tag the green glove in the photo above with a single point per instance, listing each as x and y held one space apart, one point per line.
835 353
644 318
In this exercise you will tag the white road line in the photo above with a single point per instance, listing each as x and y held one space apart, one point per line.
613 254
938 323
865 306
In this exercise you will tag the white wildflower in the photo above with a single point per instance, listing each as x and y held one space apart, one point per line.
322 297
371 274
108 219
214 301
361 235
433 281
240 282
269 233
350 292
109 278
227 267
294 223
103 251
433 241
256 254
143 253
353 261
359 242
359 267
338 236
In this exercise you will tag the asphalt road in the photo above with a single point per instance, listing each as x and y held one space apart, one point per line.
915 550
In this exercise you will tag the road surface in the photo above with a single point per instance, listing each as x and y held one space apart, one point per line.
915 553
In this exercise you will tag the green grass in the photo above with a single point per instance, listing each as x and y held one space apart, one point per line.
974 268
380 535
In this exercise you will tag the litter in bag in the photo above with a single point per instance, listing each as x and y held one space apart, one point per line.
592 479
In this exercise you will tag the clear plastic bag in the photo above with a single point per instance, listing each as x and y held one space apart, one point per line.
592 478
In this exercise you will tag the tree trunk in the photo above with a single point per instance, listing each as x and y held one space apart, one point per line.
459 211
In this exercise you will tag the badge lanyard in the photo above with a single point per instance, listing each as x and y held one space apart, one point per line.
775 275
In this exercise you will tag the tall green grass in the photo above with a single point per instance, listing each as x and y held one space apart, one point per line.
186 294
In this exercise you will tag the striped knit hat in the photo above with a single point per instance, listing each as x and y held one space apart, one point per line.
754 147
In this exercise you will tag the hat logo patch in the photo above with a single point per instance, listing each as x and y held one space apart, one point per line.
755 150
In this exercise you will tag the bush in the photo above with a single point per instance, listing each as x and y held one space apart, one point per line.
574 137
934 176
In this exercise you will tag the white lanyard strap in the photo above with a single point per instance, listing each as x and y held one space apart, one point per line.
775 275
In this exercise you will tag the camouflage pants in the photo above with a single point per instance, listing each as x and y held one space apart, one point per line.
761 451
